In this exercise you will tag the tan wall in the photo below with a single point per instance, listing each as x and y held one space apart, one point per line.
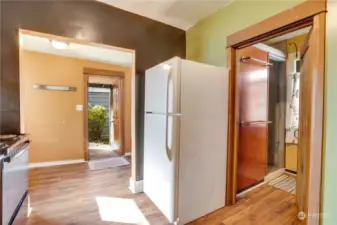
291 157
299 40
50 117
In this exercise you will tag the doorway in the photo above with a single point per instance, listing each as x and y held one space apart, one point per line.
105 122
269 74
60 98
311 98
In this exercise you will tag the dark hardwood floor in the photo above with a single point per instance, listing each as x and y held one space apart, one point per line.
72 194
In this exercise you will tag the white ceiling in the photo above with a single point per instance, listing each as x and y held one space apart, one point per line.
74 50
287 36
182 14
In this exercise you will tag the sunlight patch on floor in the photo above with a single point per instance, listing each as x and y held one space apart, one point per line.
120 210
103 147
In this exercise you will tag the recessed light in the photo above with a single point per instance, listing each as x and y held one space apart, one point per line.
59 44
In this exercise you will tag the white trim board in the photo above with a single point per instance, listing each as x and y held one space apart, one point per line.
136 186
54 163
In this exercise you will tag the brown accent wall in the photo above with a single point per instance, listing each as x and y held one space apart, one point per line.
88 20
50 117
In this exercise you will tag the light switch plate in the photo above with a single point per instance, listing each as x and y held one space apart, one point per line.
79 107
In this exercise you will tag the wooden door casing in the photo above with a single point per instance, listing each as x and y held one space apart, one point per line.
308 191
253 98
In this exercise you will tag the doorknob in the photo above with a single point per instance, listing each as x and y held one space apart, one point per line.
253 123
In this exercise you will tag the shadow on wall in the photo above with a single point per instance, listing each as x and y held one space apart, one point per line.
140 97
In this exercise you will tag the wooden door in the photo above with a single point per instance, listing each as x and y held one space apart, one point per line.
115 113
253 116
117 116
311 123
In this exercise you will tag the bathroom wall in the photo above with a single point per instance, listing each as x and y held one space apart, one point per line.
276 114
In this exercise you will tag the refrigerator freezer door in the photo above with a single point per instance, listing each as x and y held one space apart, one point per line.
162 87
161 136
203 140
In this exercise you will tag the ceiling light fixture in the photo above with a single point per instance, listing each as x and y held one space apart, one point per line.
59 44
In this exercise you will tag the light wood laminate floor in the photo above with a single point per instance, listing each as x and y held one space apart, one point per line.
72 194
265 205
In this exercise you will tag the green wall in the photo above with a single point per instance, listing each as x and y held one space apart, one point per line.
330 165
206 41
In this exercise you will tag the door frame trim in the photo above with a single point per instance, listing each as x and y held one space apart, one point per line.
300 12
111 74
302 15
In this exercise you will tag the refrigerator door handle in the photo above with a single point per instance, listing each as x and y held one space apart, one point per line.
164 114
167 147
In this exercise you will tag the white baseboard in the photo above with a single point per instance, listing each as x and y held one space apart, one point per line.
136 186
54 163
127 154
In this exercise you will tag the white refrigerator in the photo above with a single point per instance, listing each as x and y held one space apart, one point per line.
185 138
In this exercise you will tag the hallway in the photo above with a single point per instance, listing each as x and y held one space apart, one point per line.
72 194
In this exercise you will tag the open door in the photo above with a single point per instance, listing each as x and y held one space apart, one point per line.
117 117
311 123
115 113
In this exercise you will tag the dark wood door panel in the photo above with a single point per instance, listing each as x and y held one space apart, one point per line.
252 151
